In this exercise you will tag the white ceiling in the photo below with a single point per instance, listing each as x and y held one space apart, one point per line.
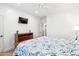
45 8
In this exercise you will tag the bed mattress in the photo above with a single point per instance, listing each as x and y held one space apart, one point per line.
44 46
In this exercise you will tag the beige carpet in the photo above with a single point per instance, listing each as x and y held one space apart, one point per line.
8 53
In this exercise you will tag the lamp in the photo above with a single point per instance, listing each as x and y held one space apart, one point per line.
76 28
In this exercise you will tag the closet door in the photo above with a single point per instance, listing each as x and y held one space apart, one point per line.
1 33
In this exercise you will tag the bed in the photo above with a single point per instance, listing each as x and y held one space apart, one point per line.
44 46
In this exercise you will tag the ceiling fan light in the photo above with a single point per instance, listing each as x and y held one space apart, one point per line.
36 12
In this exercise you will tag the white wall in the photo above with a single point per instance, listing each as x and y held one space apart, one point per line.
60 25
11 25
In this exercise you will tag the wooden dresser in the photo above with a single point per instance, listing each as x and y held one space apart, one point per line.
22 37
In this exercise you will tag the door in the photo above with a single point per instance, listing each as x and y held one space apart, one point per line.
1 32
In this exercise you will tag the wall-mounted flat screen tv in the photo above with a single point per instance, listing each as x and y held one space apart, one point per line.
23 20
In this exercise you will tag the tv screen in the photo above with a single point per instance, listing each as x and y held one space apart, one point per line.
23 20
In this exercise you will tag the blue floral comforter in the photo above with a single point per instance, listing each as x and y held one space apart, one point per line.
43 46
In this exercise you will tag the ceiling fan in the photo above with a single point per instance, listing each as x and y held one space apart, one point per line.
44 5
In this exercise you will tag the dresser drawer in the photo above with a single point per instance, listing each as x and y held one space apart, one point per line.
23 38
